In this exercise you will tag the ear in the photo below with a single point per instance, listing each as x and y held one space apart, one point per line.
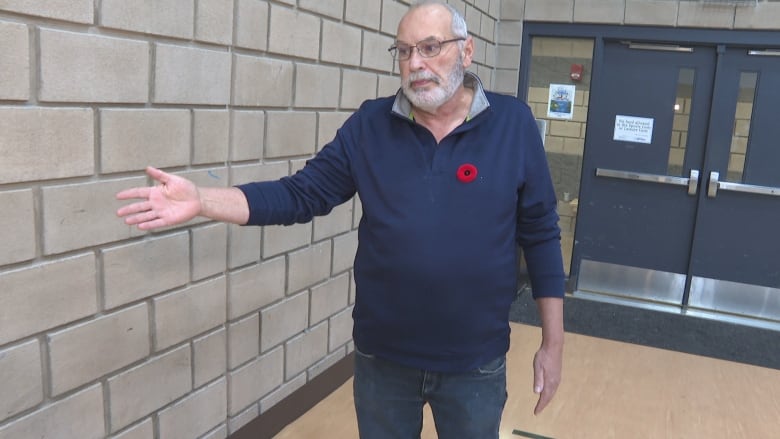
468 51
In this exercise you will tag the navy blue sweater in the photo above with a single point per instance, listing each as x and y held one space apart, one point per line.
436 264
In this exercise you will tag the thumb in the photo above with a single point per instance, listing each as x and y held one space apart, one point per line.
538 379
158 174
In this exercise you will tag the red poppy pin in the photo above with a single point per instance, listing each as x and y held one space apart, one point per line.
467 173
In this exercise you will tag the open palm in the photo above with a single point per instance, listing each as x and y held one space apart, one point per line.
173 201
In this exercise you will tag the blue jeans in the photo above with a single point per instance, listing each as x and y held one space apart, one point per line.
389 400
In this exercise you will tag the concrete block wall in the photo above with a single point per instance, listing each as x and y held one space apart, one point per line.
193 331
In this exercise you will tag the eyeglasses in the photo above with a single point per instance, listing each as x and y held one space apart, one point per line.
427 48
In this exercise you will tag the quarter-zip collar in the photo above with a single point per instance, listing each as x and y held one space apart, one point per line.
402 107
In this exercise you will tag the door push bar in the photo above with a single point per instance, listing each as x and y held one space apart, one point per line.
715 184
692 183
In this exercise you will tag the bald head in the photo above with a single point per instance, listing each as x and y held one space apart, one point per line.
436 11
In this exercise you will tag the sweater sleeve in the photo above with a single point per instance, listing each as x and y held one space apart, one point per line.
323 183
538 233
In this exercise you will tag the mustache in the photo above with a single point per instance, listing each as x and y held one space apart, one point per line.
426 76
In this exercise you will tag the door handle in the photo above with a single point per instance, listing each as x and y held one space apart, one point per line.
715 184
691 183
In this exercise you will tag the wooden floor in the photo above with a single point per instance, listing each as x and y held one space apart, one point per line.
609 390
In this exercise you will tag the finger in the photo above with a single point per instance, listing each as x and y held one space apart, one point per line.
154 224
140 218
141 206
157 174
136 192
538 379
544 399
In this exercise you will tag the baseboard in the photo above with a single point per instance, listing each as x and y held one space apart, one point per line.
299 402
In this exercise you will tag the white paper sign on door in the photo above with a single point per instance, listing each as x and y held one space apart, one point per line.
633 129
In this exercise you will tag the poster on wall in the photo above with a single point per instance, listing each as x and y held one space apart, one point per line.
633 129
561 102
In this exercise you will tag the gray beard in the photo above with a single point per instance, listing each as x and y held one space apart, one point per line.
430 101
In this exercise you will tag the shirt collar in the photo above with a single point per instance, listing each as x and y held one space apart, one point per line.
480 103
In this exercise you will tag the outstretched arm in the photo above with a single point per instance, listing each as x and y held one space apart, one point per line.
175 200
548 360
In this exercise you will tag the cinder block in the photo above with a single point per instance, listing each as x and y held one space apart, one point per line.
17 226
250 383
294 33
365 13
46 295
259 172
512 9
291 134
281 239
144 430
761 16
338 221
358 86
375 54
46 143
220 432
214 21
282 392
392 13
248 135
183 75
283 320
209 250
116 69
22 382
317 86
510 32
79 11
599 11
82 413
331 8
211 136
126 268
276 88
245 245
148 387
663 13
252 24
329 124
14 61
67 208
344 249
86 352
473 19
549 10
184 314
305 350
196 414
254 287
243 340
329 298
341 43
173 18
132 139
694 14
388 85
209 356
488 28
340 329
309 266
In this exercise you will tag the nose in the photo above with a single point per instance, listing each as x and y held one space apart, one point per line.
415 60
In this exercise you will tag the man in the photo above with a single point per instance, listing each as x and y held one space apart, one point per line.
450 178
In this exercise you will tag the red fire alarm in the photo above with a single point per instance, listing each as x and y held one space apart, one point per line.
576 72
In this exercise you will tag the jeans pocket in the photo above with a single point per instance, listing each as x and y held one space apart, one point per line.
364 355
494 366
